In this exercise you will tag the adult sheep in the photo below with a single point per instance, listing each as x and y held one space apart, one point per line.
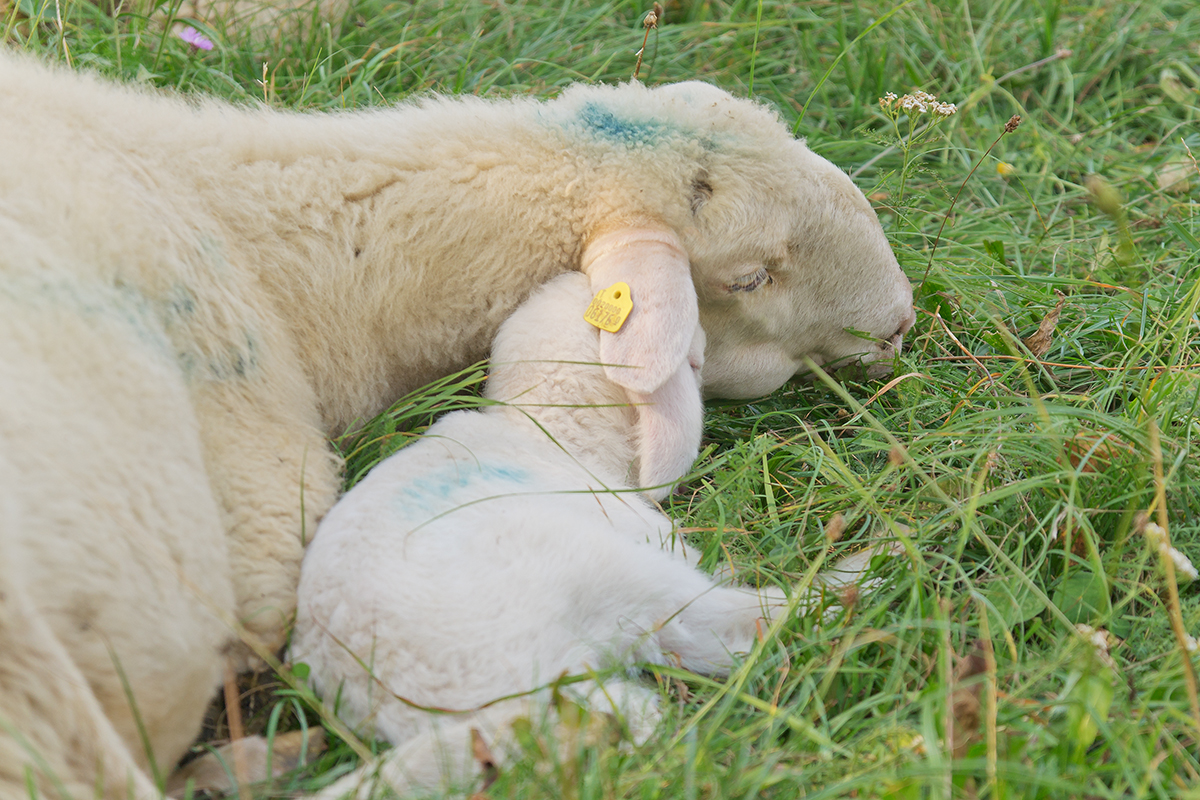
193 296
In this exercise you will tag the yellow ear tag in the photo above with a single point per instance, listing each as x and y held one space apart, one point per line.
609 308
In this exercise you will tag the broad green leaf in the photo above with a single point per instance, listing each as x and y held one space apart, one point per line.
1083 597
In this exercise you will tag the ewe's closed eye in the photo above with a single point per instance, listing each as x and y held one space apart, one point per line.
748 283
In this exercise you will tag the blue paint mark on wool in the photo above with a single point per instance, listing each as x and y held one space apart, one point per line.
115 304
164 325
179 303
605 124
446 483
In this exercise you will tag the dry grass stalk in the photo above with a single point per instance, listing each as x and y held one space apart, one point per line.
1013 123
1160 499
233 712
483 755
990 711
965 706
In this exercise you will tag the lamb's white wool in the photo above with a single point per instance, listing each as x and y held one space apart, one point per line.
509 547
192 295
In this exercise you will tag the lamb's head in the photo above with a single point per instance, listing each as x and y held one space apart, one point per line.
787 258
546 369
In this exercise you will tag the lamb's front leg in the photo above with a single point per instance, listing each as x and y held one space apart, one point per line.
716 622
275 476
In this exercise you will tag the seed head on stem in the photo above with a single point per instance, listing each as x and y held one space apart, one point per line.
1013 123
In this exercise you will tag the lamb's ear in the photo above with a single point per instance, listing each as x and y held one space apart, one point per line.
670 422
654 339
669 425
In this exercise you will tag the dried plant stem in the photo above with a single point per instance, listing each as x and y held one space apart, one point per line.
233 720
1009 127
62 33
946 678
945 328
650 23
992 704
1173 610
1061 365
1195 165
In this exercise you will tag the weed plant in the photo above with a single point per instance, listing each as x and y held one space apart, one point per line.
1017 472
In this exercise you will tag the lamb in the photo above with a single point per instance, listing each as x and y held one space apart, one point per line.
193 296
510 547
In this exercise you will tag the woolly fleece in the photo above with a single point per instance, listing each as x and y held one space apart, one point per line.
194 295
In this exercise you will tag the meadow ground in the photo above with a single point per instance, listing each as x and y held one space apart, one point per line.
1017 469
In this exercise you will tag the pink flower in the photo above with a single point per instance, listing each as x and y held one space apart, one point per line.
195 38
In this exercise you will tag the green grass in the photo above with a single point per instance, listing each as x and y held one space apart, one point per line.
1014 483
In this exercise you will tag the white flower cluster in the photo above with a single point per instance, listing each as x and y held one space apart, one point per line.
1190 643
1184 570
918 102
1097 638
1183 566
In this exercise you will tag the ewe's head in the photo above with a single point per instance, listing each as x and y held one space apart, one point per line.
787 257
790 265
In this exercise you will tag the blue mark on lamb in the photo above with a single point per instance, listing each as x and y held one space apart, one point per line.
444 484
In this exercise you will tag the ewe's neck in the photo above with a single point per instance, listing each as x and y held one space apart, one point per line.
362 228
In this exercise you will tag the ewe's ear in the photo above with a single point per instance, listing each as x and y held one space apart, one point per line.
670 422
654 339
702 191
